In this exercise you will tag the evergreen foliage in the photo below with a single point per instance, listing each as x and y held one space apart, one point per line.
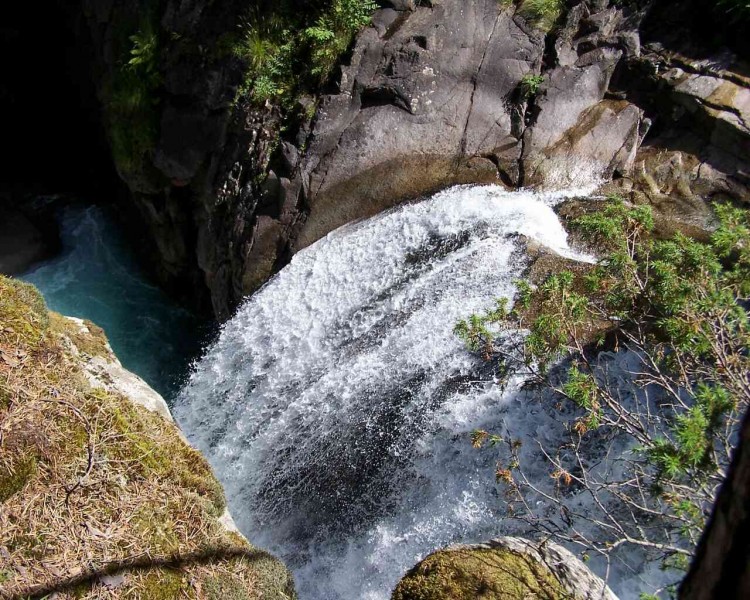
680 306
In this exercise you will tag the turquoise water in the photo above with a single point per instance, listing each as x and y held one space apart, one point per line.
97 277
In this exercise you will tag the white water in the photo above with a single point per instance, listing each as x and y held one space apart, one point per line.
336 406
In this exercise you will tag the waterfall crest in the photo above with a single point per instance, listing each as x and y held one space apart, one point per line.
336 405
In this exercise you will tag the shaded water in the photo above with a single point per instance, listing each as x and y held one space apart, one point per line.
97 277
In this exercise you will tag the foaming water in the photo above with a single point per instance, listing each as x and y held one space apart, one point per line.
96 277
336 405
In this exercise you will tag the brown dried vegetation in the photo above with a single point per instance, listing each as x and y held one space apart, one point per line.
100 498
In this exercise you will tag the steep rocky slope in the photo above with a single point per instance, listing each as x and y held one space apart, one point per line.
432 94
506 568
99 492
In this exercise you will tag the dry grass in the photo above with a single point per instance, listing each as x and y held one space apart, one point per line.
90 483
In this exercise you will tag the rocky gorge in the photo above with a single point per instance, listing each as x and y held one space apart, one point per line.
432 94
625 98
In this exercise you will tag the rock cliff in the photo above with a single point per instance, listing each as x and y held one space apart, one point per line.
99 492
431 94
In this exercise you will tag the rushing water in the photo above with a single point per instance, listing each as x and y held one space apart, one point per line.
96 277
337 404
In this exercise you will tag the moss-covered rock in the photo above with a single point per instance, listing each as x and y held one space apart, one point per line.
468 574
98 491
503 569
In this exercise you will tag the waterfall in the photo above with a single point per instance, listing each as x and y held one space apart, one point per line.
336 405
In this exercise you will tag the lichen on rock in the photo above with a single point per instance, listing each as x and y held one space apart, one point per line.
503 569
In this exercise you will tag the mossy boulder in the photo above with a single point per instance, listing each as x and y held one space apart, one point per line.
100 494
503 569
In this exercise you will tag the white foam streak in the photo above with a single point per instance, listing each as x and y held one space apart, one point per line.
335 405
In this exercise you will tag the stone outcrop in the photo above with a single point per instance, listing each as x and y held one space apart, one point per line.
576 131
507 568
100 494
425 102
436 97
432 94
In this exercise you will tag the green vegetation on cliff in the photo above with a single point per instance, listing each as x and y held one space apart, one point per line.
132 95
289 50
542 13
93 484
679 307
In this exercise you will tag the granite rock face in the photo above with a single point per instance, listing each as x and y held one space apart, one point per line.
435 97
432 94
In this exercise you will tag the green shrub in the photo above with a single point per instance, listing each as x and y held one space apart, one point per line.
332 33
288 51
680 307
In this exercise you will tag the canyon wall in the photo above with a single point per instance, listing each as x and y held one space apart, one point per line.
431 95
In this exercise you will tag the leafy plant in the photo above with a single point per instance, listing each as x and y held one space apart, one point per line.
288 50
332 33
529 85
679 308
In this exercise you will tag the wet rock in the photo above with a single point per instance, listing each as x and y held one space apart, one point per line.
413 107
23 242
575 131
437 101
700 108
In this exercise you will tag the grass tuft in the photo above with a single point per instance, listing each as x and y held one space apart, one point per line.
543 14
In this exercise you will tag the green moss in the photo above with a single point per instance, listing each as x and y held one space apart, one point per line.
166 456
195 474
473 574
159 584
23 313
15 477
132 94
93 343
155 524
225 587
144 455
5 396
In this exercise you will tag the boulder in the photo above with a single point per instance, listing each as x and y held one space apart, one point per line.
575 134
437 99
507 568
